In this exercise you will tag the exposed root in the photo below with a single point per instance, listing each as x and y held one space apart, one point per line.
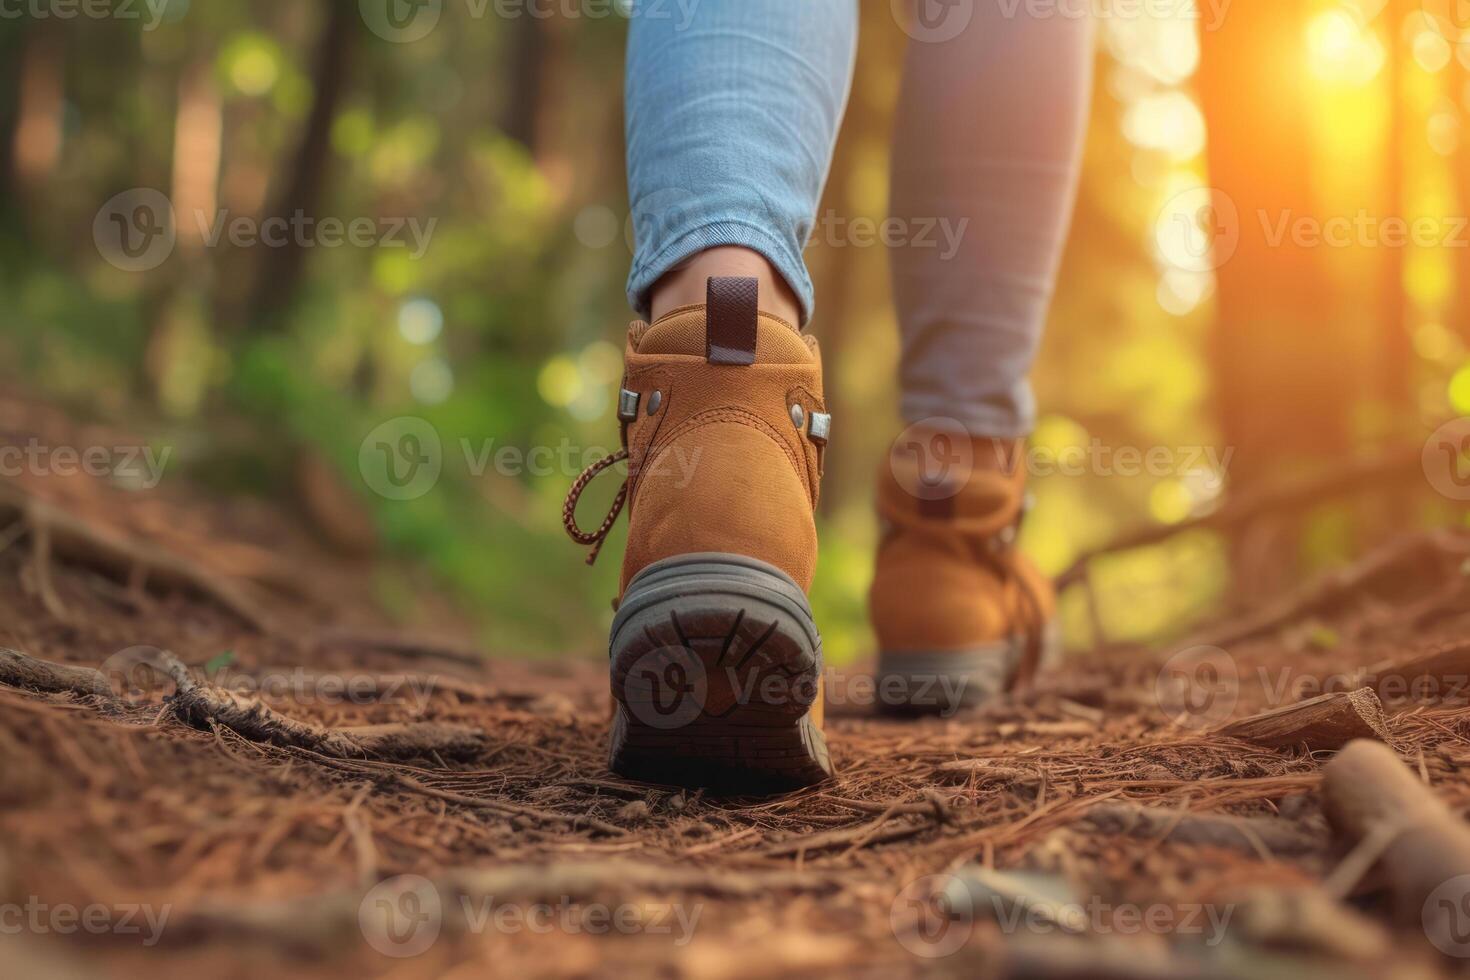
1395 466
1427 552
56 532
202 707
19 670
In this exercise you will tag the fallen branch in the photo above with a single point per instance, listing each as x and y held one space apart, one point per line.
1250 835
1442 675
325 923
199 705
1328 721
1373 801
19 670
1243 507
1385 565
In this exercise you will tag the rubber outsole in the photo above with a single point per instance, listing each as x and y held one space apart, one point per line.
947 682
715 663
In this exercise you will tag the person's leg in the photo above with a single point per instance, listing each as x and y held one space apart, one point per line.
715 659
989 139
987 148
732 115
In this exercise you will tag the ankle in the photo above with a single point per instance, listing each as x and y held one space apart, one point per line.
686 285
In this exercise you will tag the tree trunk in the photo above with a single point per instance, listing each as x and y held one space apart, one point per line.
1283 373
1397 363
12 54
280 269
524 80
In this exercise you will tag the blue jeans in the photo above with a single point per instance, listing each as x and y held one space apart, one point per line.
733 108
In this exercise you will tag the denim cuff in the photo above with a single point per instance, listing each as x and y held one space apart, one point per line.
713 234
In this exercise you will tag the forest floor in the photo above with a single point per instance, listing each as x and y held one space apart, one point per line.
298 789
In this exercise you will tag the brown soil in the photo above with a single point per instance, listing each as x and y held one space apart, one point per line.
260 821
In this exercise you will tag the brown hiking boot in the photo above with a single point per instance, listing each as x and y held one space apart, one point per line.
960 614
715 659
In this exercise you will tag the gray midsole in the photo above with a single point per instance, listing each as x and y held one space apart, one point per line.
992 664
708 573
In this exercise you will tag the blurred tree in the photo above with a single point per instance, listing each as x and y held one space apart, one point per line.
1396 363
1283 367
280 269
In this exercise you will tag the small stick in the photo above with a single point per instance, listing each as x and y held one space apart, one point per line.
19 670
1248 834
1328 721
1368 792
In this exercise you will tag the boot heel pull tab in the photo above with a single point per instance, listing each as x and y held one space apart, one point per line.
730 319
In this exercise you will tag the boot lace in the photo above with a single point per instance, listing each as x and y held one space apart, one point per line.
1000 553
569 509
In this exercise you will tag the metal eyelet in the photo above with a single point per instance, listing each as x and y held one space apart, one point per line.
798 416
654 401
627 405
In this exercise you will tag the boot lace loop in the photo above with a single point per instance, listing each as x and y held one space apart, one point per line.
569 509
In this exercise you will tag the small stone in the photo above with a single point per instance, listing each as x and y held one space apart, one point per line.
635 812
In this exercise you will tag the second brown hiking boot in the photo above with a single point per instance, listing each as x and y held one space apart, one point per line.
960 613
715 659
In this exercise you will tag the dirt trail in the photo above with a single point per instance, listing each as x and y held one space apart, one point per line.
308 792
